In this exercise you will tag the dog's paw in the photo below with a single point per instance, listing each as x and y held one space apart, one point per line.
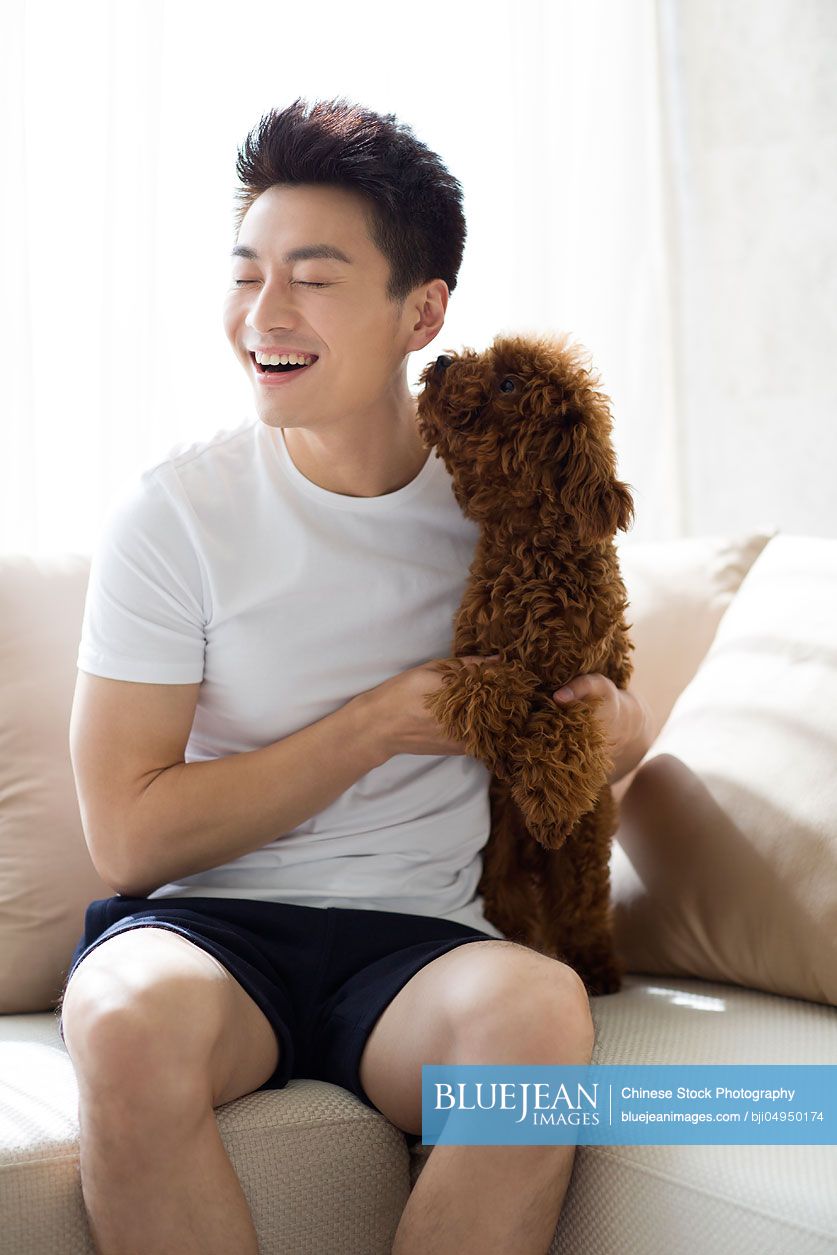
549 814
477 707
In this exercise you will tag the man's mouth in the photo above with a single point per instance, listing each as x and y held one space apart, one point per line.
281 369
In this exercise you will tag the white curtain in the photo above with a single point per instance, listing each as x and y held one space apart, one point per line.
604 196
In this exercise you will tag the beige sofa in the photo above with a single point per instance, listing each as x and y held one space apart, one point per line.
725 898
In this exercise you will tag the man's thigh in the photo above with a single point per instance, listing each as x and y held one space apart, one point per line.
148 998
467 995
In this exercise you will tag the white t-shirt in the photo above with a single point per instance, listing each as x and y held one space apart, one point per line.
224 564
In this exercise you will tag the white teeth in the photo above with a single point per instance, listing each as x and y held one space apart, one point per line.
286 359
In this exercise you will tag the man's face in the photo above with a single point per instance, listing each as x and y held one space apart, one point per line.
361 339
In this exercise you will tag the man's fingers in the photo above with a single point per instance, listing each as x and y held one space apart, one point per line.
580 686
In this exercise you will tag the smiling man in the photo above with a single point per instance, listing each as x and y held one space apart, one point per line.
295 844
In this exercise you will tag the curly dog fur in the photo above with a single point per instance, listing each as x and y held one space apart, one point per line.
526 438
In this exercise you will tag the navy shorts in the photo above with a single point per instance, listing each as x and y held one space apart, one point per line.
321 975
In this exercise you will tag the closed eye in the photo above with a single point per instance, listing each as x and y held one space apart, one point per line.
239 282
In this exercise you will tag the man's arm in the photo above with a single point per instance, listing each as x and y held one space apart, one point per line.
199 815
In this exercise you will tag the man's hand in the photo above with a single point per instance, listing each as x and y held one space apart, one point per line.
402 722
624 715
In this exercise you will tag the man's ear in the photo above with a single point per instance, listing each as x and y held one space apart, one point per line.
598 502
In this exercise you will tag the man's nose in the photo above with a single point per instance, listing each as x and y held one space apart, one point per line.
442 363
273 306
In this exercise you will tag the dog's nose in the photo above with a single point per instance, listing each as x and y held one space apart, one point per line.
442 363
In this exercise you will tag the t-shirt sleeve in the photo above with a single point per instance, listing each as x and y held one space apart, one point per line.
144 611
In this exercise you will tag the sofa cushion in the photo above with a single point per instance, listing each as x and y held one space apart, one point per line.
678 591
47 876
726 864
703 1200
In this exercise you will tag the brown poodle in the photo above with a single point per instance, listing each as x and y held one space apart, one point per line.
525 437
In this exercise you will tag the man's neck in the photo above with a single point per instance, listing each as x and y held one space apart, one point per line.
359 467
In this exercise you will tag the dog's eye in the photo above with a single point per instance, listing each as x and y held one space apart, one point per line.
508 384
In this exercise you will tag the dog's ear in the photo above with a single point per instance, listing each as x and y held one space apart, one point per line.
599 503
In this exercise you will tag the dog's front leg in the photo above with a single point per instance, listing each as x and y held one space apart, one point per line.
557 767
484 705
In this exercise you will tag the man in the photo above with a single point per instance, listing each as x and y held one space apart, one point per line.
294 842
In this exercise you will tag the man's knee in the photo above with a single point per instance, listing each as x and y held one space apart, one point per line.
150 1016
532 1005
143 1035
135 1054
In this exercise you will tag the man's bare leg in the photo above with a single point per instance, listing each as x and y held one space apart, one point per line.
160 1034
489 1200
486 1200
491 1003
160 1181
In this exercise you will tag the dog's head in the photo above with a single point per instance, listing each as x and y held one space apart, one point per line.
522 430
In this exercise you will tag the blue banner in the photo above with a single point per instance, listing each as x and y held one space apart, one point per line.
629 1105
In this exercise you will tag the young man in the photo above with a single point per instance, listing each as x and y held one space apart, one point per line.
295 845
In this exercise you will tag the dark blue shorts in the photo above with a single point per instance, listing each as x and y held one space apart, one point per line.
322 975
